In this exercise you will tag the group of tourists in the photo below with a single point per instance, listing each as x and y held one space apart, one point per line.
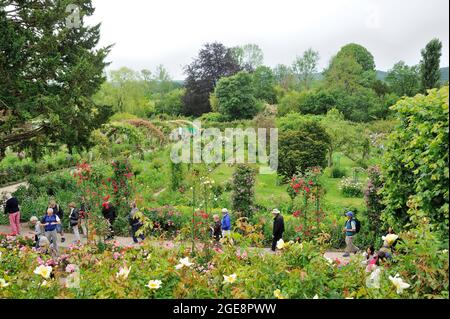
48 227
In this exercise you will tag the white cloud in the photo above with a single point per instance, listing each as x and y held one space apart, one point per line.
171 32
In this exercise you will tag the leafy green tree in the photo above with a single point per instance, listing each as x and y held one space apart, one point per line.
404 79
126 92
301 148
236 96
213 62
289 103
48 72
249 56
305 67
362 56
415 169
284 76
171 103
316 102
344 74
264 84
430 64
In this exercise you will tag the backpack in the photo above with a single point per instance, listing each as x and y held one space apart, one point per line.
357 225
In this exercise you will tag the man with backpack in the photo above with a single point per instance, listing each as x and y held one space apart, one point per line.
351 228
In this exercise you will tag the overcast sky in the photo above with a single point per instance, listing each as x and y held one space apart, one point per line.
171 32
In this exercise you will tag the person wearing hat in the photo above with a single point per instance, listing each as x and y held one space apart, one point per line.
226 223
350 232
278 228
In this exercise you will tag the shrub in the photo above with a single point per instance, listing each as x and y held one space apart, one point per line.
302 148
243 195
415 166
373 198
235 96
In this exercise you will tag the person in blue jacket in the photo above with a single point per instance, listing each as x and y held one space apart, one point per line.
50 222
226 223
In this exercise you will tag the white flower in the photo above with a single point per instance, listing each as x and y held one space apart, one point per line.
229 279
373 281
399 283
316 297
3 283
44 271
1 255
44 283
281 244
123 272
390 238
184 262
329 260
154 284
445 252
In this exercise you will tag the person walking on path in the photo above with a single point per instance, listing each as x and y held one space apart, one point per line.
216 229
38 230
226 223
109 212
84 209
278 228
135 223
350 233
74 220
57 210
13 210
50 223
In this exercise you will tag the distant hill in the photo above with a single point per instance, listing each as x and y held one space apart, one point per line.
444 74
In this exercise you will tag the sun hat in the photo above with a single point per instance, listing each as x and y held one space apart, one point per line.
224 210
33 219
350 214
275 211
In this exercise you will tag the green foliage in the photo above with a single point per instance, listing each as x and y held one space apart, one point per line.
430 63
362 56
171 103
305 68
176 176
214 61
351 187
374 199
289 103
248 56
243 190
306 146
416 161
264 84
236 96
56 68
403 79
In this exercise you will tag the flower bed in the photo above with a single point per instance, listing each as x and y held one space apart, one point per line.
299 270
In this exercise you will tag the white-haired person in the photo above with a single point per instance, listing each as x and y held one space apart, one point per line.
278 228
50 222
226 223
38 230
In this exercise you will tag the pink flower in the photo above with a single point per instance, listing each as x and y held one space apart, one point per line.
116 255
70 268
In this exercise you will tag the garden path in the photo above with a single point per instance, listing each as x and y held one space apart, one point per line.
127 241
10 188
